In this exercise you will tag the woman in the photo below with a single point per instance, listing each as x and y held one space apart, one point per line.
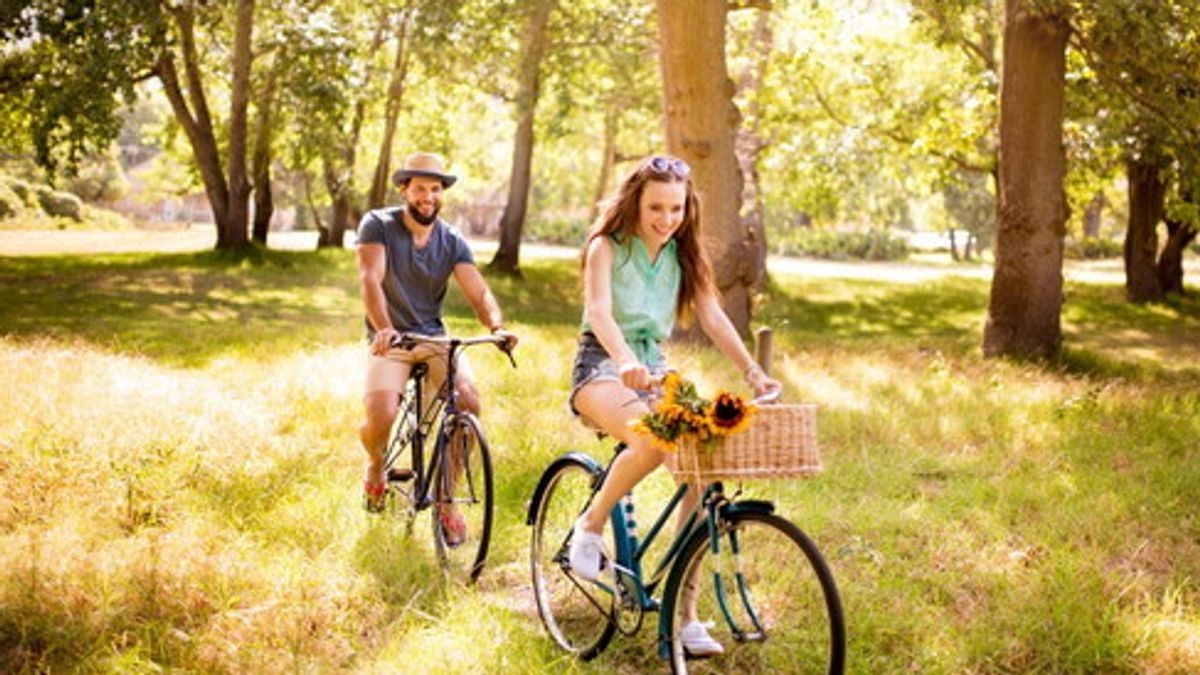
644 267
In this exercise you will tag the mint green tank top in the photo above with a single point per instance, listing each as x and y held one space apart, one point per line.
644 296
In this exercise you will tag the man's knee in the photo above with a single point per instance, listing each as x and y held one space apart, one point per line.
468 397
381 410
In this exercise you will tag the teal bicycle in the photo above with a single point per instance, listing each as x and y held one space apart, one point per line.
761 580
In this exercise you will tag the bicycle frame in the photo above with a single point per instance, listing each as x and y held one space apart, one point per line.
631 551
445 406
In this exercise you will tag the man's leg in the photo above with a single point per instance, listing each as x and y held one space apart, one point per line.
381 407
459 444
386 377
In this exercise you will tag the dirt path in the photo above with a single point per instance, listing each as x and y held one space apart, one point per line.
50 242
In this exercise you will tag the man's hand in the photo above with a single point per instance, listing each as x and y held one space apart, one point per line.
382 341
510 339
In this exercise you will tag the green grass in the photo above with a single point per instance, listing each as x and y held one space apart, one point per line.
179 475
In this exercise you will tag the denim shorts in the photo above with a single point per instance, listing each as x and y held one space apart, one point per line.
593 364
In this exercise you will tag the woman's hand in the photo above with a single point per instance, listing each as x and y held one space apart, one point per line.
636 376
763 384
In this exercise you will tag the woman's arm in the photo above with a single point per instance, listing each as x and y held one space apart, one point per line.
597 302
717 326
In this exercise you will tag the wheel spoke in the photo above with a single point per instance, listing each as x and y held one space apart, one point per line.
770 596
578 614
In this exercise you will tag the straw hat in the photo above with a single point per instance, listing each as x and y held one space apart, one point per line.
424 164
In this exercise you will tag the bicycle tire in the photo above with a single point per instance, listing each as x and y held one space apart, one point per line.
794 623
471 495
576 613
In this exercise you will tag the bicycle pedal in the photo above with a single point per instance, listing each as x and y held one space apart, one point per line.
400 475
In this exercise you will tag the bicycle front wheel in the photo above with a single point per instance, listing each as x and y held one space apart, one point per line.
462 513
768 594
577 613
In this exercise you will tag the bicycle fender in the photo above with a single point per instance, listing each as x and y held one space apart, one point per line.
573 457
747 506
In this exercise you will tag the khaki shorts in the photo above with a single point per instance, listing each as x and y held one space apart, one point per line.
390 372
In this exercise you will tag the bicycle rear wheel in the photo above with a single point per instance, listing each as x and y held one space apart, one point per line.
769 594
577 613
463 493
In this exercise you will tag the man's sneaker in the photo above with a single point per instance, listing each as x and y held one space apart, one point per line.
454 528
697 642
587 552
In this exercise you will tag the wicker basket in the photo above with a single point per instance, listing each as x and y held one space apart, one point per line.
780 443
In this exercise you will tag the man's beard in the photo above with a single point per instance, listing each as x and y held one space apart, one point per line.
421 218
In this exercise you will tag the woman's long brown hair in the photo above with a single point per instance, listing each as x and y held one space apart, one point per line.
620 221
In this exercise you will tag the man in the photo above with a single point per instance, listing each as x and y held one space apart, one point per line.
406 256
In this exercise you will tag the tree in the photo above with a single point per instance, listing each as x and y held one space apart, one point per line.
701 128
86 58
64 78
512 222
1026 296
1147 56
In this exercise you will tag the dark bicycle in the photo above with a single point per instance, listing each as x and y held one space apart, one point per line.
769 592
458 476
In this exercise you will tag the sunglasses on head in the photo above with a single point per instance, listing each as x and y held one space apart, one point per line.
665 164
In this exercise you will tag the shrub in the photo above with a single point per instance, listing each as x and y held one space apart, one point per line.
57 203
874 244
23 191
1092 248
10 203
100 181
563 230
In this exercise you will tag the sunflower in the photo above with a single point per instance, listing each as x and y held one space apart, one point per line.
683 414
670 388
728 414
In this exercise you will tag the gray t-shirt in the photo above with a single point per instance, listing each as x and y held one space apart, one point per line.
416 279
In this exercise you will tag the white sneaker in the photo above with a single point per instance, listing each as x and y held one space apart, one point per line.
587 552
697 642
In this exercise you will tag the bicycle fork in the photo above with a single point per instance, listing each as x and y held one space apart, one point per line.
758 634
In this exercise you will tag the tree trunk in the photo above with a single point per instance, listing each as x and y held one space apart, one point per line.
1091 216
701 126
337 183
953 246
191 111
1024 311
748 145
1170 262
1147 192
607 163
260 160
533 47
236 234
382 178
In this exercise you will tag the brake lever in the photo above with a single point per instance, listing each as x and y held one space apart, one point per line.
508 352
404 341
769 397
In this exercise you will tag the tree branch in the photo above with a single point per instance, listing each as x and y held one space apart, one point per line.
1092 55
735 5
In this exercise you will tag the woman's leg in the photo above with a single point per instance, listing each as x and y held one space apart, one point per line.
611 406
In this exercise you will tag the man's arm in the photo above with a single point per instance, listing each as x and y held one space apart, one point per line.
470 280
372 265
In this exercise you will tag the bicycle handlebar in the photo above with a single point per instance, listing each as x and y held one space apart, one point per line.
769 397
410 340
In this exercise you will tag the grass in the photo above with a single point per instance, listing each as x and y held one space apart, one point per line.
179 473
